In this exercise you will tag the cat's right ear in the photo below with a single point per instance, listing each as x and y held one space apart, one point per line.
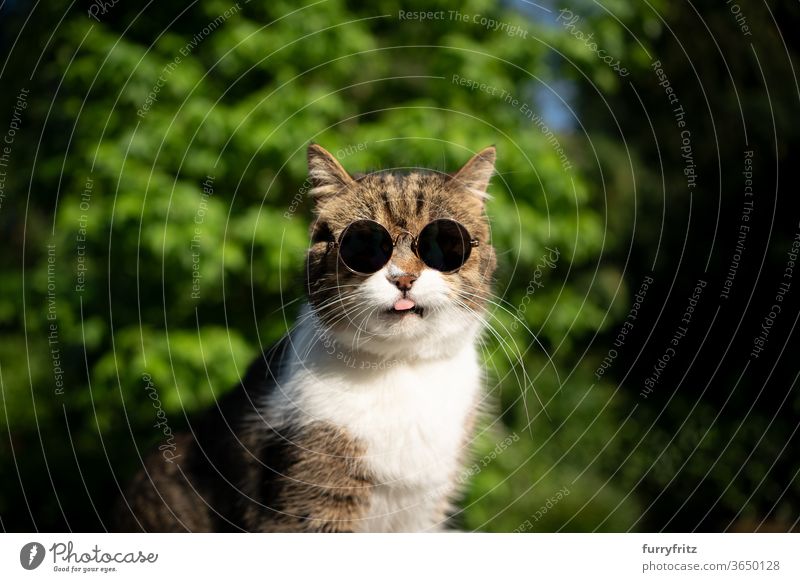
326 174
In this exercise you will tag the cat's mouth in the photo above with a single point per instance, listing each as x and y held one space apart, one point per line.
403 312
405 306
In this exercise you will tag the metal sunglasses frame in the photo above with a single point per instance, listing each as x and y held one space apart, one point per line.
337 244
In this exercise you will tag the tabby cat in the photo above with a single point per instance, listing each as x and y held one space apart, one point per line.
359 419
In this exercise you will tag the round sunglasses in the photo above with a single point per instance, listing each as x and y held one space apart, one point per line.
365 246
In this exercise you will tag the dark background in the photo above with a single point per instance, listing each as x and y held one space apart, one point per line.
711 448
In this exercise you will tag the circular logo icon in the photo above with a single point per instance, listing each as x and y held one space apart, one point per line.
31 555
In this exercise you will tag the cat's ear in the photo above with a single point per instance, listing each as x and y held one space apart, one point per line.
326 174
475 174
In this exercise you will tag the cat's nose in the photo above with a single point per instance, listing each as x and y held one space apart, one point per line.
404 281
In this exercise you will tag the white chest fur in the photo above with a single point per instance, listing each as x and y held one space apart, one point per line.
411 416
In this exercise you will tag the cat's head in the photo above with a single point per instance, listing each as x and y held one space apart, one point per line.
406 308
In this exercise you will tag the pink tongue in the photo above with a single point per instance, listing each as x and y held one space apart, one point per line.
404 305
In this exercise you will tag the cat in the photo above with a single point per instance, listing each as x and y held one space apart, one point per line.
360 418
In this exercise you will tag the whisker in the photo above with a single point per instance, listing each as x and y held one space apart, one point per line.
533 335
516 361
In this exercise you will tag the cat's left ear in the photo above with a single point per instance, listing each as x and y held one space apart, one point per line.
475 174
327 175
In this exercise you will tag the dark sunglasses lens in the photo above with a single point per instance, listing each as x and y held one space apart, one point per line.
444 245
365 246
